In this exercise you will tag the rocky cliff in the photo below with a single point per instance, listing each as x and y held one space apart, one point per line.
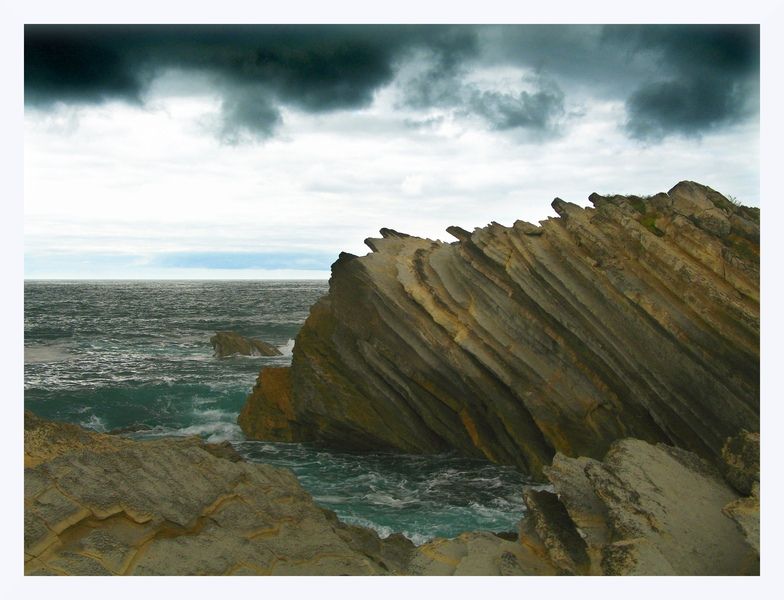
637 317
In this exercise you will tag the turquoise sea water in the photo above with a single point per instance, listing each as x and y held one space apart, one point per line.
135 356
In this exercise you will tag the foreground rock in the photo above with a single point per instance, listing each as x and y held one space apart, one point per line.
740 461
229 343
634 318
98 505
644 510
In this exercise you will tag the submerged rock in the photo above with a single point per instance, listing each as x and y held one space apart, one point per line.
638 317
228 343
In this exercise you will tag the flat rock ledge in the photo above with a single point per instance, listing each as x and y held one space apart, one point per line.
98 504
229 343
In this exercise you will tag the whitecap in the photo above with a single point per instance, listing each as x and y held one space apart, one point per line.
288 348
382 530
417 538
95 423
331 499
383 499
46 354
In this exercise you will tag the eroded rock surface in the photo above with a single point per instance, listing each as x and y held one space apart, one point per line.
228 343
268 411
740 461
638 317
478 553
644 510
100 505
97 504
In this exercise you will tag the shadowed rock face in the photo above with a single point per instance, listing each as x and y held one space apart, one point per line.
638 317
740 461
227 343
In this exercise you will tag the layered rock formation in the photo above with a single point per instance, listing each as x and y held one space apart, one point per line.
228 343
638 317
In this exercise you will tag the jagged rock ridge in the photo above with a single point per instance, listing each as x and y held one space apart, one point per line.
638 317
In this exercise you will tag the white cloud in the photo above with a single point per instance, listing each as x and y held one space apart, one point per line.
144 181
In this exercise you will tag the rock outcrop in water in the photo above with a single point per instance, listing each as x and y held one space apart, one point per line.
268 411
638 317
228 343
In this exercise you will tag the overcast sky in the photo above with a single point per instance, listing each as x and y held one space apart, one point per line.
264 151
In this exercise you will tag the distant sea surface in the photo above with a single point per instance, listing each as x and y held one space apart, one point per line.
135 356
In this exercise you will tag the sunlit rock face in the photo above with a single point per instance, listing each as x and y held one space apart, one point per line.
637 317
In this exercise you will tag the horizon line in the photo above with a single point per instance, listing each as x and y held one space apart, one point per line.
26 279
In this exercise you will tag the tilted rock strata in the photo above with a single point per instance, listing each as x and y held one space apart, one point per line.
634 318
228 343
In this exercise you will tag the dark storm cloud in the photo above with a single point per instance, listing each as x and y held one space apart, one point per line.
442 84
704 77
64 64
538 111
247 113
688 106
257 68
672 79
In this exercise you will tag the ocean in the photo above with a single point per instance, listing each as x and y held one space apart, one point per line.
134 357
